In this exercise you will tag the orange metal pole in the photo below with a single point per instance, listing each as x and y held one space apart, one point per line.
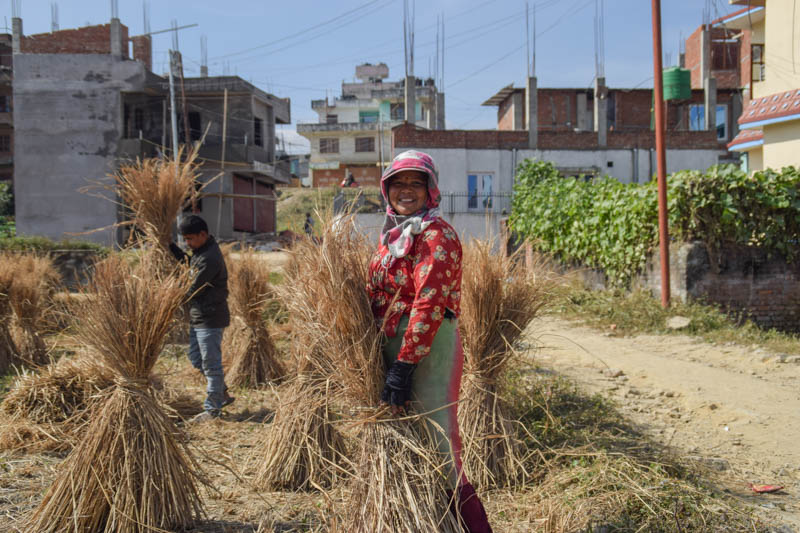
663 229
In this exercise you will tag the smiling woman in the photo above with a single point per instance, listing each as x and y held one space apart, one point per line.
408 192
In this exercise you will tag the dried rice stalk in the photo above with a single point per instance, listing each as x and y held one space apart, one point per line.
155 191
34 284
254 356
398 485
132 472
302 449
8 348
499 299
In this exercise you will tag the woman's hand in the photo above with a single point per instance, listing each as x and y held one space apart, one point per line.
397 390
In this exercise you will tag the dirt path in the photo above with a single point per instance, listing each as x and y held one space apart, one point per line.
735 408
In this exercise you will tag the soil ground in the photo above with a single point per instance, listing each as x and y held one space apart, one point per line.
735 408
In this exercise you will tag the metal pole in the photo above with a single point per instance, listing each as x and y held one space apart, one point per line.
663 229
222 159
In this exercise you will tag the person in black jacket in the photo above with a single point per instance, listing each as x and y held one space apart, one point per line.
208 309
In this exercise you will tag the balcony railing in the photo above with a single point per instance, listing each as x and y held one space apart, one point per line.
451 203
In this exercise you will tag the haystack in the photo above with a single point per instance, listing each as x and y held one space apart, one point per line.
8 349
34 284
131 472
254 357
500 297
397 486
155 191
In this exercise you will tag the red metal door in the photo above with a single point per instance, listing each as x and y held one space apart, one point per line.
243 207
265 208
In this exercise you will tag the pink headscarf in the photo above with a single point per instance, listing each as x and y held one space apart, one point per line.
398 231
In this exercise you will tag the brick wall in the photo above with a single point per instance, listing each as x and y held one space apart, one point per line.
407 136
505 114
88 40
728 76
739 280
143 50
694 50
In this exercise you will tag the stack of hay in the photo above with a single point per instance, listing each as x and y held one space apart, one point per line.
34 284
397 486
500 297
131 472
8 348
254 358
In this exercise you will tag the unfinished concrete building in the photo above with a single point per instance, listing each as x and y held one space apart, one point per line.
82 105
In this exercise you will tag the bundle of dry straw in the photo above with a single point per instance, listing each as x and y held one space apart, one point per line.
131 472
254 357
34 284
398 486
500 296
155 191
8 348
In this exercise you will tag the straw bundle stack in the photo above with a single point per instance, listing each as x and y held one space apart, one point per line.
131 472
34 284
254 356
155 191
499 299
8 349
398 486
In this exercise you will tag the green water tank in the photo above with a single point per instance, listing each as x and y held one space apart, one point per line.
677 84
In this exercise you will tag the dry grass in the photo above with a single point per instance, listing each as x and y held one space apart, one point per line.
131 472
255 359
500 296
31 295
302 449
8 348
155 191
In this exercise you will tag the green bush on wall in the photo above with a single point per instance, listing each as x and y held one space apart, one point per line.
605 224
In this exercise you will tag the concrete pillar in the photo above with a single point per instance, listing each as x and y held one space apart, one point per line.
430 118
705 55
16 35
532 113
116 38
518 110
411 99
440 125
601 111
584 124
710 90
203 71
736 111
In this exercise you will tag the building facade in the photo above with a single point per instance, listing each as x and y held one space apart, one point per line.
353 133
82 107
770 123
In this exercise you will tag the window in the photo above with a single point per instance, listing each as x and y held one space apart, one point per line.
367 117
697 120
258 128
365 144
397 111
5 143
479 191
331 119
195 126
757 60
5 106
724 54
329 145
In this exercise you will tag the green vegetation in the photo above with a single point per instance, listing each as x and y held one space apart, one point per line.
638 312
43 244
602 223
293 204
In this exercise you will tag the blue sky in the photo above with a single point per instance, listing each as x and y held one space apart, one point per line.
317 44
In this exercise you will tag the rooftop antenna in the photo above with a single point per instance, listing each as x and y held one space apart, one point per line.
146 16
53 17
114 9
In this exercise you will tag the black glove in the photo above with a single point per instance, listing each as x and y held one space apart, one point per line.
397 390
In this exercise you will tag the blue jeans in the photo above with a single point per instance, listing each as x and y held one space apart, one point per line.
205 354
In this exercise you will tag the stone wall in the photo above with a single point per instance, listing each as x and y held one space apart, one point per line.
74 266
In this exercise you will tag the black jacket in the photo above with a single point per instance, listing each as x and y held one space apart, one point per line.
208 308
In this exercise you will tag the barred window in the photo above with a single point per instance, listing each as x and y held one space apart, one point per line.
365 144
5 143
329 145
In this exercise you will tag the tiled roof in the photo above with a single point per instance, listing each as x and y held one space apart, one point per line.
747 139
778 107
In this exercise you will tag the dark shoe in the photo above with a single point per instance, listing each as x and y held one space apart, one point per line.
228 399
